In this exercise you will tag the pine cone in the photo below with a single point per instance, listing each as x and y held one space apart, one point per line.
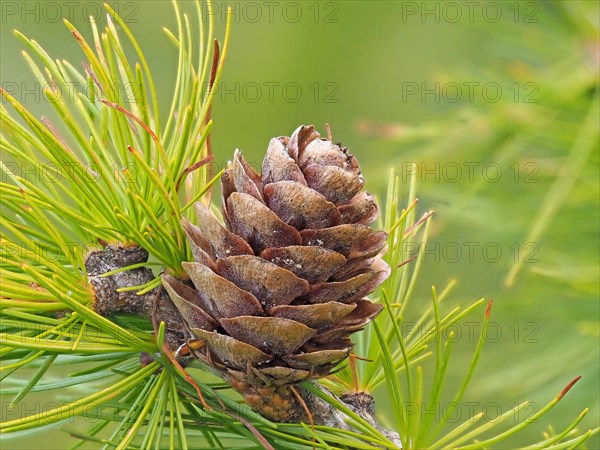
278 291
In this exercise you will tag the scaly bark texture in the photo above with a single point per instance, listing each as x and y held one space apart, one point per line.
108 301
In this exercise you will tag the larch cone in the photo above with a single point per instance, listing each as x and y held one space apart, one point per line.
275 292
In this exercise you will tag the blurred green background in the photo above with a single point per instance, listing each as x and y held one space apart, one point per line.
491 99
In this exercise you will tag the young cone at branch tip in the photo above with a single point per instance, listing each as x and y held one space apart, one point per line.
275 293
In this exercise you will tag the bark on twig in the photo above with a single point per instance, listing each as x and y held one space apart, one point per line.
108 301
360 403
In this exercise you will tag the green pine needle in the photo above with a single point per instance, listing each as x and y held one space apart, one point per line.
131 178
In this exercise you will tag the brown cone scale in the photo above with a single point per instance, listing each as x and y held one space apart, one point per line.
279 288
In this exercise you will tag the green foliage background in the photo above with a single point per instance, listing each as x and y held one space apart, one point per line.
359 58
